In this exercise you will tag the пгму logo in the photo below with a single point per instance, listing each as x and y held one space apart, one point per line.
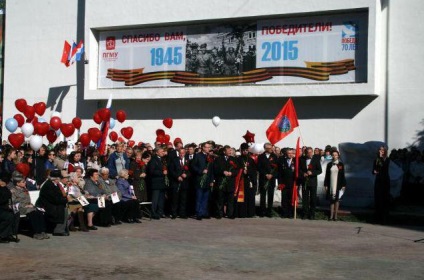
284 125
110 43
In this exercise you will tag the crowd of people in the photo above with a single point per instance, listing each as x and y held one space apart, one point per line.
83 189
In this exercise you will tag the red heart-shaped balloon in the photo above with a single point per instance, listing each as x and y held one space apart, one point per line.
104 114
127 132
167 138
160 132
16 139
21 105
43 128
23 168
85 139
51 136
29 112
160 138
67 129
121 116
77 122
40 108
55 123
121 140
95 134
168 122
20 119
113 136
131 143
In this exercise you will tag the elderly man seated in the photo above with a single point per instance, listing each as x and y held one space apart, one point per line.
109 185
53 200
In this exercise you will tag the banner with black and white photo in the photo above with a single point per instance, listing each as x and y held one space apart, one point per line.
318 49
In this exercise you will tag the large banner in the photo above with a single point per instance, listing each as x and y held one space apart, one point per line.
318 49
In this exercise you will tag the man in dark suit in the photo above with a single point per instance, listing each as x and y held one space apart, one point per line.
53 200
309 169
286 176
225 172
191 192
178 169
202 167
247 208
268 171
157 173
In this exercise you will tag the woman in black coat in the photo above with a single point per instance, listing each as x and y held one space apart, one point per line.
381 185
8 221
335 184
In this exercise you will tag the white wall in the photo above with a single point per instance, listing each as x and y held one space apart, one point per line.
36 30
405 76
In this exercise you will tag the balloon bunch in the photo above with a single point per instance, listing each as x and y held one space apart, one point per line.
161 136
35 127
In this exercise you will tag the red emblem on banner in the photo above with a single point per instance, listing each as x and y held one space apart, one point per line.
110 43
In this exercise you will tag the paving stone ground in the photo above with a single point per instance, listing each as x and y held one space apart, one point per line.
258 248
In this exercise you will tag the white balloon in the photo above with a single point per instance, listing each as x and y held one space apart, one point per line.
257 148
36 142
216 121
27 129
56 114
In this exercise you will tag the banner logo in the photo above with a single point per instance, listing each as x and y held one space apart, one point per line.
110 43
284 125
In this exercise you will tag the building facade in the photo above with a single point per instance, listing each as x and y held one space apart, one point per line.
379 99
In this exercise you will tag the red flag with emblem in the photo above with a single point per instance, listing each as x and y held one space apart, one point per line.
283 124
65 53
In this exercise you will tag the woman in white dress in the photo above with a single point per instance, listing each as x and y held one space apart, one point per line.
335 184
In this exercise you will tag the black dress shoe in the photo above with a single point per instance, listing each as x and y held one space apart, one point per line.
199 218
13 239
183 217
218 217
173 217
61 233
4 240
137 221
92 227
155 217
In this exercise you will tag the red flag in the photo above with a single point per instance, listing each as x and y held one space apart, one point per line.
283 124
65 53
296 174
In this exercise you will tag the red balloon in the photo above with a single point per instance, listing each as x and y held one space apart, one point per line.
96 117
55 123
120 139
21 105
127 132
77 122
121 116
131 143
167 138
40 108
20 119
85 139
43 128
168 122
113 136
104 114
160 132
51 136
95 134
160 138
29 112
23 168
36 127
16 139
67 129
